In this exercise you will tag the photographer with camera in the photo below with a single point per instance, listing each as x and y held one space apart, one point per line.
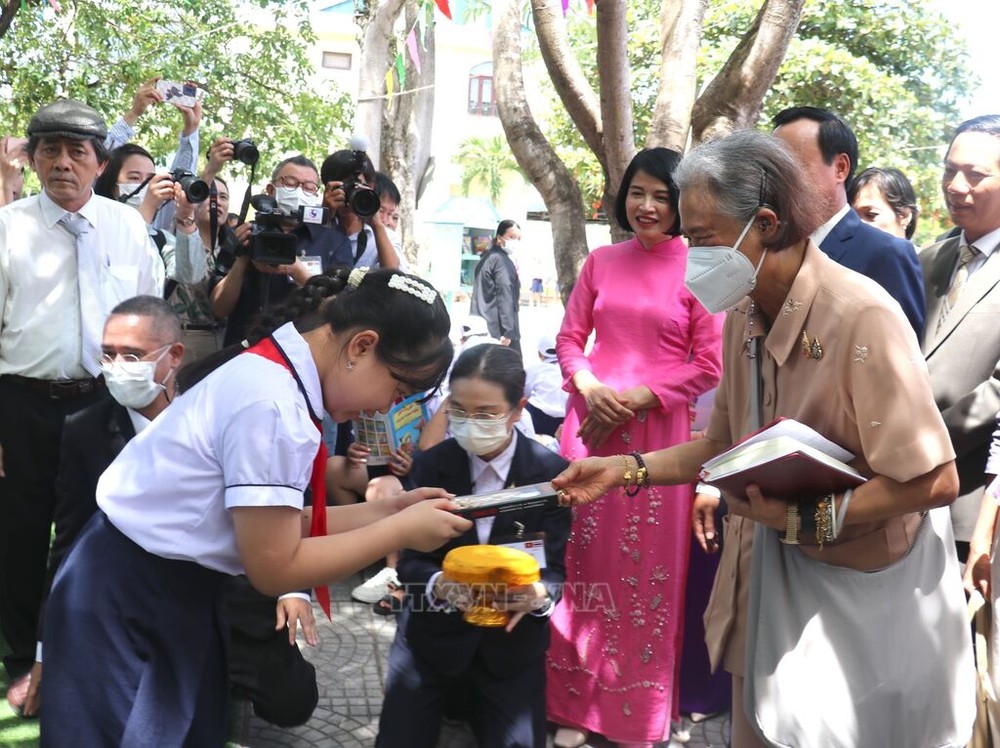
350 196
186 156
281 251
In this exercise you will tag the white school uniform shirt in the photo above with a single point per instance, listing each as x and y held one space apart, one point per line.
243 436
543 386
39 294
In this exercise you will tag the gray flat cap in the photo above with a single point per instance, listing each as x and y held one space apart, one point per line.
67 118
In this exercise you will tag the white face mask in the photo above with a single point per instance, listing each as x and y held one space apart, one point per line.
510 246
479 437
127 188
720 277
290 199
133 383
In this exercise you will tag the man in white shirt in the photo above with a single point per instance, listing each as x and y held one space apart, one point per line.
66 258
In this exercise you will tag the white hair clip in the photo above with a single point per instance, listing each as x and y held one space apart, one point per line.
413 287
357 275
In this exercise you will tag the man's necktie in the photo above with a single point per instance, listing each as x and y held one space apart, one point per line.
88 281
966 255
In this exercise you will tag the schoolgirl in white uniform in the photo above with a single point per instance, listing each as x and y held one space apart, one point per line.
135 653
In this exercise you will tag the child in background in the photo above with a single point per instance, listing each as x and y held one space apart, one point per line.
544 390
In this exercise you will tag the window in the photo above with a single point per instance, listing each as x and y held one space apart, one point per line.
481 99
337 60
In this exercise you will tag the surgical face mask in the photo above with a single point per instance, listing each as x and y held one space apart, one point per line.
126 190
720 277
510 246
289 199
479 437
133 383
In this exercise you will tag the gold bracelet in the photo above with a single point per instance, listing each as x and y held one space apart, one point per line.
824 525
792 524
626 476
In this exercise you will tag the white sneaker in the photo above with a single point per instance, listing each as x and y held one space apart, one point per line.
377 587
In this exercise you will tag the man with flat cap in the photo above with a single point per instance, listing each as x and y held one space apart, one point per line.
67 257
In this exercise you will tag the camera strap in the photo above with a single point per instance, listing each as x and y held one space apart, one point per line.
213 217
246 198
137 190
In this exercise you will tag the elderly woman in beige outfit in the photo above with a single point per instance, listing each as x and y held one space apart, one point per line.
820 667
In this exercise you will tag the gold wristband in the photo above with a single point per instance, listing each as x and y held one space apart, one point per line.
792 524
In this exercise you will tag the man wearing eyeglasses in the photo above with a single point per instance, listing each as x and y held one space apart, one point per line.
962 338
241 284
141 354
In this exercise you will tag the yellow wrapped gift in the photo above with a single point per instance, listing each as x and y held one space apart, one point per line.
488 570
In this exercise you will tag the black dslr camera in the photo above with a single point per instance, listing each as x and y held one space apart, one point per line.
195 190
246 152
268 243
362 199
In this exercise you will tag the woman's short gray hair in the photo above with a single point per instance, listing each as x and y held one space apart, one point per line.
746 170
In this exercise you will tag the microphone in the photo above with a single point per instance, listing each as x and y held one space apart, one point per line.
359 143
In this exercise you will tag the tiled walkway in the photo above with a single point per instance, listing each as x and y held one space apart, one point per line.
350 669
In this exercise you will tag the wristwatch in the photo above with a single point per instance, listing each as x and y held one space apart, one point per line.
185 222
792 524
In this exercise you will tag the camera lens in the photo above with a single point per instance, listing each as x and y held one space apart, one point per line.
246 152
365 202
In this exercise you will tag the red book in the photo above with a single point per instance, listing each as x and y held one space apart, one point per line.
787 460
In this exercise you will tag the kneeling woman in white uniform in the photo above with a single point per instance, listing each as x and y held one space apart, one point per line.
134 649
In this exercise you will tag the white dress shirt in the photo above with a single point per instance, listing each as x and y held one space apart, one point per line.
40 332
243 436
986 245
824 231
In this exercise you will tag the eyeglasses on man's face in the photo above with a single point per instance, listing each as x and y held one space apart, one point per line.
310 188
109 357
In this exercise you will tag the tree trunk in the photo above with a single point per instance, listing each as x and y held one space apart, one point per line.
616 102
7 15
734 98
533 152
373 64
681 22
406 131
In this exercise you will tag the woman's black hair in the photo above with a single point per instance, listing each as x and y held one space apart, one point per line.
502 228
659 163
107 184
413 333
497 364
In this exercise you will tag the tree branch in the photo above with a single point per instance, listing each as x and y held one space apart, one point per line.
567 76
533 152
734 98
7 15
681 21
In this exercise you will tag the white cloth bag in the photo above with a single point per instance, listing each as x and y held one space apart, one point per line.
840 658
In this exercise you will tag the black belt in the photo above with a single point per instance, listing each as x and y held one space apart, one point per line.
200 326
58 389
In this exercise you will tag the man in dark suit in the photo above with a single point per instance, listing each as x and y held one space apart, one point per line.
141 354
437 657
827 150
962 338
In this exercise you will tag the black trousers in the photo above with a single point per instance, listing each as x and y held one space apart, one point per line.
30 433
263 667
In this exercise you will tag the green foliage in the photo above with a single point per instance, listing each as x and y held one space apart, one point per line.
486 162
250 55
894 69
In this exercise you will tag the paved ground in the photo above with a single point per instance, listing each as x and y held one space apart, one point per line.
350 668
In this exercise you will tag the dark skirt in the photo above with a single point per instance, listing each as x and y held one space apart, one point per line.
134 649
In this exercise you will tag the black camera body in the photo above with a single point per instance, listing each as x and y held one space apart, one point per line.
195 189
245 151
271 245
362 199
